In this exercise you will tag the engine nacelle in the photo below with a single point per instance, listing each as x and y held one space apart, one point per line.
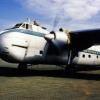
62 37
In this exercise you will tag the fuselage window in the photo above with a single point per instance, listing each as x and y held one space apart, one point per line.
97 56
89 56
83 55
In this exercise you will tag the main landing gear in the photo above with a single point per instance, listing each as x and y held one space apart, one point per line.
70 69
22 66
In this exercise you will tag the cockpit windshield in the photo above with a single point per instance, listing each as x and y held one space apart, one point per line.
17 25
23 25
29 26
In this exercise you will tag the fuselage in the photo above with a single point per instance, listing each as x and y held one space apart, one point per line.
90 56
19 45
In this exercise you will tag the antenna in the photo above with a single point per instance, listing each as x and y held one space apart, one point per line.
28 19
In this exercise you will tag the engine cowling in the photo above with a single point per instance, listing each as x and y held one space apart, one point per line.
61 40
62 37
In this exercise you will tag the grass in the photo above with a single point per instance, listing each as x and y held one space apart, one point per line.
48 83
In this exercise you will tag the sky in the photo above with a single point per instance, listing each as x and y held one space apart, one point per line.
53 14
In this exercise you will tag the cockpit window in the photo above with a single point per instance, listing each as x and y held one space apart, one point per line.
30 26
27 26
24 26
17 25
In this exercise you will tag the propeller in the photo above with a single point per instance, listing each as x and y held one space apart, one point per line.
63 35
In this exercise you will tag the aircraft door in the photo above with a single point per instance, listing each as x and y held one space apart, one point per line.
19 50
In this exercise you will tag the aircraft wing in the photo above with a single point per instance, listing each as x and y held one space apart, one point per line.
84 39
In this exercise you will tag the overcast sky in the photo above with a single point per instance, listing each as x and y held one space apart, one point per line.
71 14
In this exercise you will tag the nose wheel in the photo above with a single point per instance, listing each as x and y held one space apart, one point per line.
22 66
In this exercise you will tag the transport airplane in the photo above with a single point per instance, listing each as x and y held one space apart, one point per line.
29 43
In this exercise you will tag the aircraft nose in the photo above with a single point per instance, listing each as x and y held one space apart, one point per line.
12 49
3 45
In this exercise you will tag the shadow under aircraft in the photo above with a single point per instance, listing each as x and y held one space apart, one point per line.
80 73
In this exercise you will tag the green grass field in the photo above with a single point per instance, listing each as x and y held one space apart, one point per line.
48 83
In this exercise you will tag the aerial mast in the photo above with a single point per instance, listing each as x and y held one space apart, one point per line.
28 20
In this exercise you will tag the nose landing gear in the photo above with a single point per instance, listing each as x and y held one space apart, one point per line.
22 66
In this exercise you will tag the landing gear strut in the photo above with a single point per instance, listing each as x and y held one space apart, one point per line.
22 66
70 69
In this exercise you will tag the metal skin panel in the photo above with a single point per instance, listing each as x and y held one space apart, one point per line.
21 46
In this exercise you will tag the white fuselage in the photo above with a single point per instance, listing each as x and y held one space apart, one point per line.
20 47
90 56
